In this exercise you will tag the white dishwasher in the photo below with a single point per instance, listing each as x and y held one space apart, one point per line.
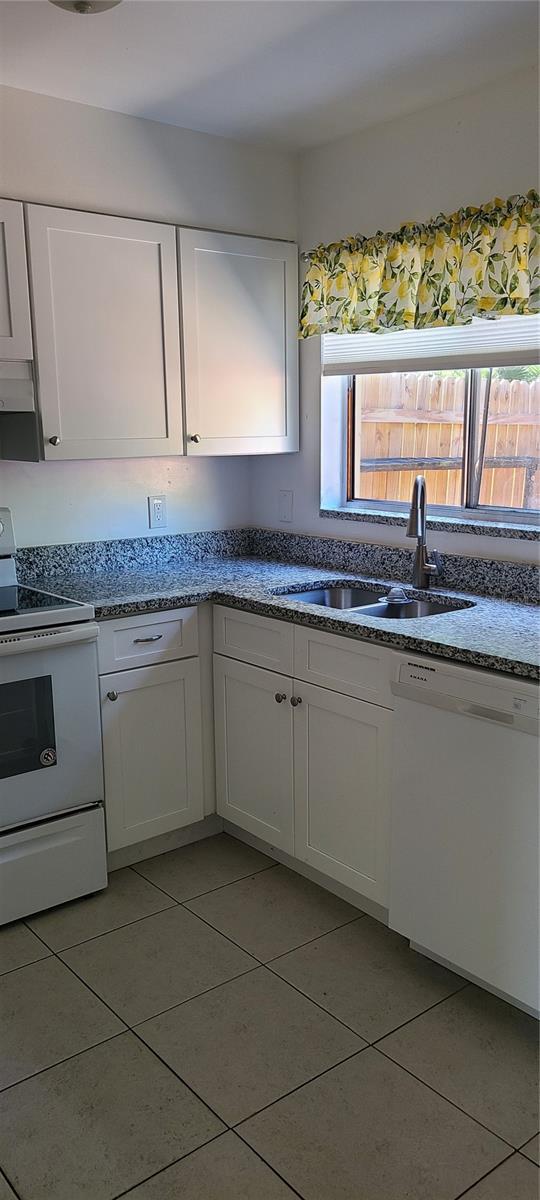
464 859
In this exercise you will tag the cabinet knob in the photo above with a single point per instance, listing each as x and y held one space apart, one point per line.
280 697
112 695
295 701
54 441
195 437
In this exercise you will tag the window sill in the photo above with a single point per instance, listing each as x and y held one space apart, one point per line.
452 524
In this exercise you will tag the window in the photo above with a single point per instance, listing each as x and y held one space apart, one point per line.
460 406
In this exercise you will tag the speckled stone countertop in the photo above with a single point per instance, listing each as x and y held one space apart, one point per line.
498 635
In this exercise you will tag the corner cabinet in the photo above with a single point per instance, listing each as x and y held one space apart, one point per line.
15 331
106 327
239 303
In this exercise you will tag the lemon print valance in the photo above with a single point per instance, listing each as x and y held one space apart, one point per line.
478 262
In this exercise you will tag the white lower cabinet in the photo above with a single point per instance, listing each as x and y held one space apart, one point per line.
152 750
310 777
341 795
254 750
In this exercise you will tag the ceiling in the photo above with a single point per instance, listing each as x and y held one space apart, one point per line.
292 73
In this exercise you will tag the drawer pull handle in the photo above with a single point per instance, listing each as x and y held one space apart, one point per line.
156 637
280 697
112 695
295 701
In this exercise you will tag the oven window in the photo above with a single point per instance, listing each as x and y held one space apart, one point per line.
27 737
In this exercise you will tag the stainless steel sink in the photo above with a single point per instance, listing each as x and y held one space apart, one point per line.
337 597
368 602
412 608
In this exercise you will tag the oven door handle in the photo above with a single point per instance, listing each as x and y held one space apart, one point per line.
47 639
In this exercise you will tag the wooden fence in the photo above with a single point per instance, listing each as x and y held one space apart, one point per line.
418 417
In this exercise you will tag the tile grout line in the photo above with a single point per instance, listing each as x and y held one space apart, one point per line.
298 1088
422 1013
264 962
183 1157
521 1148
188 999
181 1080
234 1126
269 1165
208 892
132 1028
105 932
135 920
468 1190
78 1054
3 1175
316 1004
148 1179
441 1095
317 938
22 967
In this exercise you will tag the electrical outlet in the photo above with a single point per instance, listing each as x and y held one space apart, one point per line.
285 506
157 512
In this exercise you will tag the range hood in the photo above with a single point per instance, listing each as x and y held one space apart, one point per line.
20 431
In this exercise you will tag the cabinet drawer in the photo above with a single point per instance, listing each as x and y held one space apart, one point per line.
148 638
258 640
344 665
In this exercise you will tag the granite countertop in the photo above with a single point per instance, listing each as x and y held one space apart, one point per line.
498 635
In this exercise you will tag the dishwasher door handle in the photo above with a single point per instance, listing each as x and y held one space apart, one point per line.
487 714
464 708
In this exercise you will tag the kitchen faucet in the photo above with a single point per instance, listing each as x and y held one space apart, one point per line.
424 568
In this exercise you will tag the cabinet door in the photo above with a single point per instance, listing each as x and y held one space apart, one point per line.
107 335
254 757
239 322
15 332
341 759
152 751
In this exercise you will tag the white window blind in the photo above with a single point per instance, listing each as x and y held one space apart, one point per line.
509 341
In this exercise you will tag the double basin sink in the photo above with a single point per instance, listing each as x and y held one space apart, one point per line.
370 603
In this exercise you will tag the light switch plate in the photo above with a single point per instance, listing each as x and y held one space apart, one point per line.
157 512
285 506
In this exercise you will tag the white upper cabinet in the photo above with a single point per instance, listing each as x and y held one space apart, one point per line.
239 299
106 328
15 331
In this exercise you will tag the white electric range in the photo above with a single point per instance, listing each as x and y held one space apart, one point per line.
52 830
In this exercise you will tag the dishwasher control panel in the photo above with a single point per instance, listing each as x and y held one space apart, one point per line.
513 697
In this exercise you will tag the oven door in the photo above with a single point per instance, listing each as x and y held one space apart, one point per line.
50 735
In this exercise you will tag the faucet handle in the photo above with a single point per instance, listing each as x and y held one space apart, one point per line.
433 565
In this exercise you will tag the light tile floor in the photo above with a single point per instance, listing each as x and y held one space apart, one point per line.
215 1027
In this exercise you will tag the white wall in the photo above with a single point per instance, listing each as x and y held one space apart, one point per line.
56 152
464 151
